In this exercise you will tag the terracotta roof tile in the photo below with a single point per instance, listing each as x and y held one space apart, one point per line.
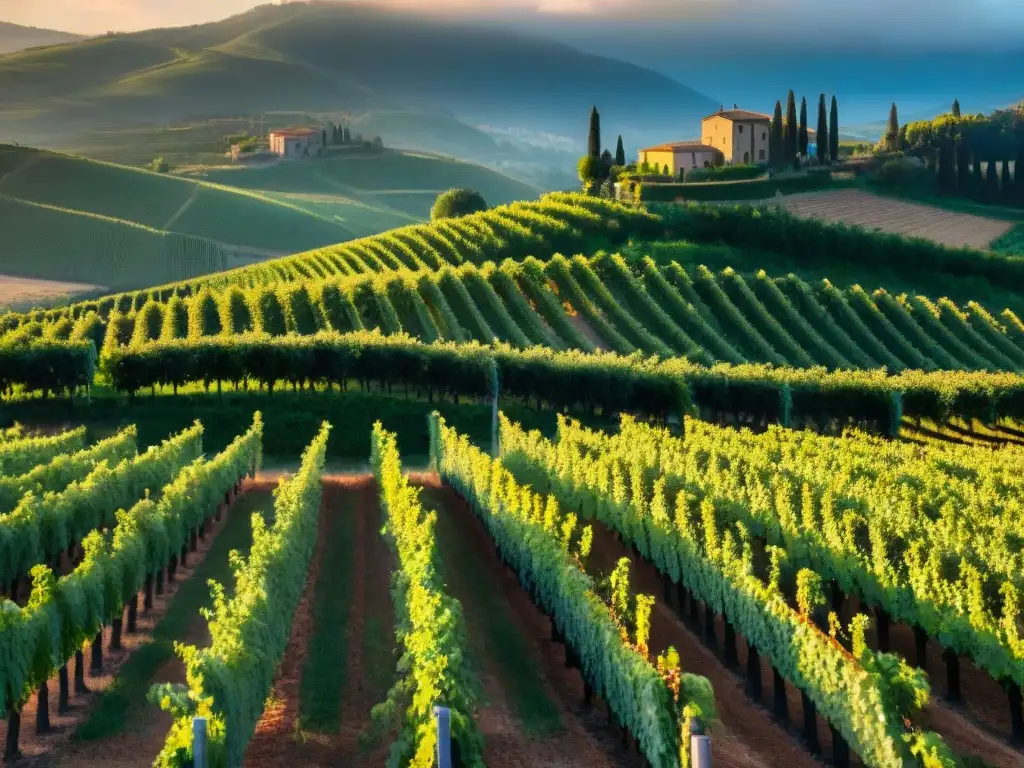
295 132
740 114
685 146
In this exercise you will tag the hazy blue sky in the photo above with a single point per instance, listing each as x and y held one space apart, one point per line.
920 21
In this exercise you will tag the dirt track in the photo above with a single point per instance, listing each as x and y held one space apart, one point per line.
349 503
475 576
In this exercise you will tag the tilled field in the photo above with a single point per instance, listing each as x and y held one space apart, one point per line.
854 206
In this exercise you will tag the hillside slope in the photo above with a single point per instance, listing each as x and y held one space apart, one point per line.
372 191
68 218
314 57
476 278
14 37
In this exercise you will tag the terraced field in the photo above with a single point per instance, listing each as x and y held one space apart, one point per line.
853 206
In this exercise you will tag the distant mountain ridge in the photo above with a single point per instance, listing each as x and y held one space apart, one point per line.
333 57
14 37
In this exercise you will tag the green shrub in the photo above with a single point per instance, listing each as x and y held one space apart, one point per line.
725 173
754 189
457 202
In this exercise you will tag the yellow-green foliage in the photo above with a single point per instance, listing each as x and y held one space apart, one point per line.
428 626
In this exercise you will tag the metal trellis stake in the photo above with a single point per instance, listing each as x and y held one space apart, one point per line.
199 751
444 737
700 746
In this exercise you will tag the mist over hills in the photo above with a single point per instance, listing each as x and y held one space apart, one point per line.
15 37
338 58
733 65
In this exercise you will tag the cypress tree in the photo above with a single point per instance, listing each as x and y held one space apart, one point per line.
892 132
620 153
833 131
991 193
822 139
1006 183
977 180
1018 174
776 150
956 108
947 179
792 144
944 172
594 139
963 164
803 127
1018 163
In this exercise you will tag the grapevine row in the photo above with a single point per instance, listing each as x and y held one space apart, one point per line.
554 223
669 311
538 540
866 696
562 222
428 624
63 613
59 472
42 526
227 681
573 379
19 456
932 545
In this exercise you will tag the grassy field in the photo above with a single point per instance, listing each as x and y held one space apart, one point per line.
1011 242
62 244
397 184
79 218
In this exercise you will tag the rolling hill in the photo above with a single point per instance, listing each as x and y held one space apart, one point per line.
332 57
499 275
14 37
87 221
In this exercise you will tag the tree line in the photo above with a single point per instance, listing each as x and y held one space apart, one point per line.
955 146
789 138
596 167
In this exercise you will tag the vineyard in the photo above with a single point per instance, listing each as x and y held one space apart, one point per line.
645 583
612 501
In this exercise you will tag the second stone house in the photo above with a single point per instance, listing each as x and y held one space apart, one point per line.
741 136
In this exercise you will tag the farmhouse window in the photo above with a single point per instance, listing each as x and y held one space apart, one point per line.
693 158
741 129
764 135
760 154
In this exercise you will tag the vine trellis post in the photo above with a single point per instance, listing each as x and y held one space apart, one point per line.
444 741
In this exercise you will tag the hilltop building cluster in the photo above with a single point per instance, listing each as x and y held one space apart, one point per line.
728 137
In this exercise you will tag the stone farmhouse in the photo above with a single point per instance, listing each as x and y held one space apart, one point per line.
298 142
729 136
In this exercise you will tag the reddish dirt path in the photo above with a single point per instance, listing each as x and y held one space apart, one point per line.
149 727
371 600
587 738
279 738
746 735
273 732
